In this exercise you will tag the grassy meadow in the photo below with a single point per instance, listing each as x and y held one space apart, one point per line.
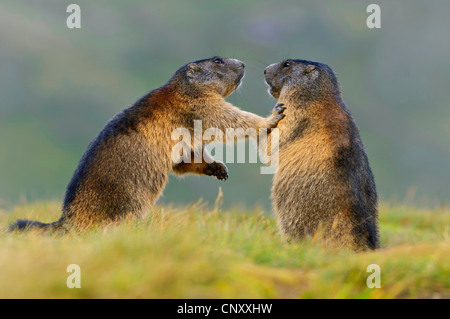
199 252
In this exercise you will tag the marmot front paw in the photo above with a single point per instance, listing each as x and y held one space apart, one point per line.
218 170
277 115
279 108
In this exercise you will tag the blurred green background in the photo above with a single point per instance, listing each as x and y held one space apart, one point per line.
59 86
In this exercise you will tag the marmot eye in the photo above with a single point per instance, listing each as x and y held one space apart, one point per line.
219 61
286 64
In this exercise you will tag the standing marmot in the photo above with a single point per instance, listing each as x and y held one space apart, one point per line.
323 181
126 167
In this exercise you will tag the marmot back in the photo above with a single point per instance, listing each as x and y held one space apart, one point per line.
324 182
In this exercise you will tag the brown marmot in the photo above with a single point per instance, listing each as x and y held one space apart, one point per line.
126 167
323 184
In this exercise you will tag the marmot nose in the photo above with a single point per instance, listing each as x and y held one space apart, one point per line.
243 65
265 71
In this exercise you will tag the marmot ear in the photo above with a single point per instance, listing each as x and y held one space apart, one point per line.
192 68
309 69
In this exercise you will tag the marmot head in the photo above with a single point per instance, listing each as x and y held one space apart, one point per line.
307 79
221 75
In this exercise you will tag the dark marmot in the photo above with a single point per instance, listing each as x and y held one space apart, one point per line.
323 183
126 167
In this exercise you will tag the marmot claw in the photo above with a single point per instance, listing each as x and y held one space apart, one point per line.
279 108
277 115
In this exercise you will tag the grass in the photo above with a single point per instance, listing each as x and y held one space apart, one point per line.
195 252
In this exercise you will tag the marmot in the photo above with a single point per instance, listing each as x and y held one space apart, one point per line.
323 183
126 167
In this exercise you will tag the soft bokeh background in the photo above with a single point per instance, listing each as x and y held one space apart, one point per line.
58 87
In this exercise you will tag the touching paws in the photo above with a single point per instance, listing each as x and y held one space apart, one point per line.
277 115
217 169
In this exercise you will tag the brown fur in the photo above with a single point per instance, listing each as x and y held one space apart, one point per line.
126 167
324 182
